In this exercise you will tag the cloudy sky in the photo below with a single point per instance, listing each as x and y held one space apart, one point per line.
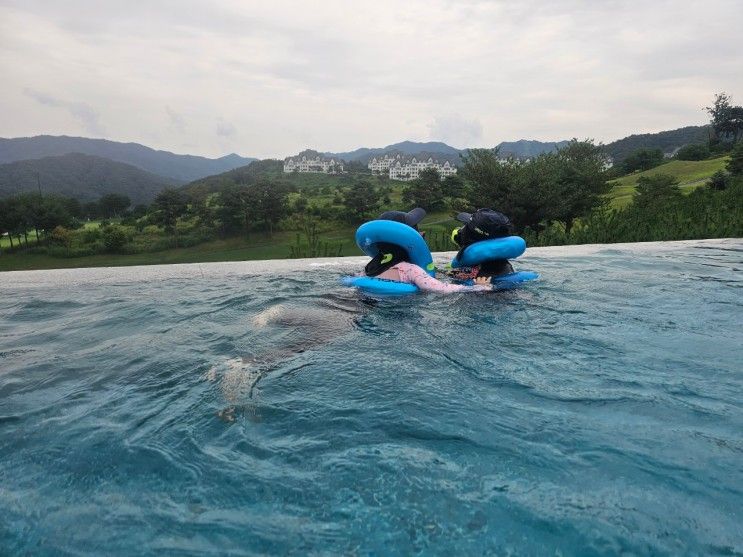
269 79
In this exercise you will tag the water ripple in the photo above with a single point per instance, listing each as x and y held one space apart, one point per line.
212 409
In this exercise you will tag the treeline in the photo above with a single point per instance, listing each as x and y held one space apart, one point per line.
59 226
558 199
39 214
659 212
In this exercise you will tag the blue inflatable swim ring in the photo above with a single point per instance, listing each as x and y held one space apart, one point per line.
371 233
513 279
509 247
380 287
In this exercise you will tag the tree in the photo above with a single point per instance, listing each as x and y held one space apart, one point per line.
168 206
11 218
268 201
693 152
581 183
552 186
656 191
490 181
361 199
7 218
139 211
726 119
453 186
52 213
735 164
718 181
73 207
234 210
642 159
113 205
91 210
535 192
425 191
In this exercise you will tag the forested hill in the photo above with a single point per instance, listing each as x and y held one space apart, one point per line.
526 148
84 177
183 168
667 141
409 148
244 175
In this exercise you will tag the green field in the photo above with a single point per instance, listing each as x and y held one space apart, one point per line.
231 249
690 174
256 247
5 241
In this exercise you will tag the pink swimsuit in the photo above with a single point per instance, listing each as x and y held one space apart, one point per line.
412 274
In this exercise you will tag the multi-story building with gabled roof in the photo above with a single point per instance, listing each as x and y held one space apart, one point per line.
408 168
308 163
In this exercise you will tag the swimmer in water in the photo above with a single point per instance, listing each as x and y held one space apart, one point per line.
393 262
483 224
307 327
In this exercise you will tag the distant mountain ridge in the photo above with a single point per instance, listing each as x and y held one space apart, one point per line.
410 148
111 164
183 168
667 141
84 177
526 148
521 149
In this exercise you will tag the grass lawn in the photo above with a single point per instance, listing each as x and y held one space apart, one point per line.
690 174
231 249
5 241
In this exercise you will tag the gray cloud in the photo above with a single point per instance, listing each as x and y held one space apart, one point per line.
176 121
371 72
456 130
82 112
225 129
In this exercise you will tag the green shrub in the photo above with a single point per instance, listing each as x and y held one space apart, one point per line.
90 235
693 152
114 238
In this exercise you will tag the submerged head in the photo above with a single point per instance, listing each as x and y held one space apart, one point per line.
483 224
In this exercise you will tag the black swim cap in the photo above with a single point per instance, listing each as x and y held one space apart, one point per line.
411 218
483 224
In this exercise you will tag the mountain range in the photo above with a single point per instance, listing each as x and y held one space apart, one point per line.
181 168
409 148
668 141
88 168
84 177
520 149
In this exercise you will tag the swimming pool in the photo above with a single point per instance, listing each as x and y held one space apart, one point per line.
260 407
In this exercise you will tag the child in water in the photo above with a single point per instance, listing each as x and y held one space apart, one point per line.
392 261
483 224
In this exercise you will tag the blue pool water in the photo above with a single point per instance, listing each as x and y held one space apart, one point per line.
252 408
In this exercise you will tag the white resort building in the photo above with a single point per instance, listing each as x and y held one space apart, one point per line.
404 169
317 163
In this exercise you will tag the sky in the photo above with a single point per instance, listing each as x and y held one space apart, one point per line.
269 79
